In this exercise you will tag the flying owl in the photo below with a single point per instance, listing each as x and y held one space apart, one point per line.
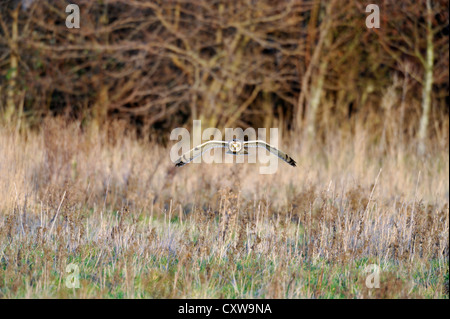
235 147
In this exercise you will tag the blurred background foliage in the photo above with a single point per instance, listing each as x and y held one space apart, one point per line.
308 67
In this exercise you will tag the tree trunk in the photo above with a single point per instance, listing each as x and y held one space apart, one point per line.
13 65
428 84
315 100
311 96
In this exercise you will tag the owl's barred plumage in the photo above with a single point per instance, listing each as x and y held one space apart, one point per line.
235 147
198 151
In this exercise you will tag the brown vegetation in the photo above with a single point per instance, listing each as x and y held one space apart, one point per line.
139 227
287 64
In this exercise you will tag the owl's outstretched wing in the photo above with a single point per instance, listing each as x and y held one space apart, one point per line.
198 151
271 149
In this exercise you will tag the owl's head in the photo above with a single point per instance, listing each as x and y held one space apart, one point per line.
235 145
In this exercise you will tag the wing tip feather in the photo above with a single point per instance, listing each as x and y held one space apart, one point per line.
292 162
179 164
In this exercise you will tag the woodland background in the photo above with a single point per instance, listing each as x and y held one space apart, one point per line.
309 67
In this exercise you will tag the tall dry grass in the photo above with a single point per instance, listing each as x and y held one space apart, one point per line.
137 226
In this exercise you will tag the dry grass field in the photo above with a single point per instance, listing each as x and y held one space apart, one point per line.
137 227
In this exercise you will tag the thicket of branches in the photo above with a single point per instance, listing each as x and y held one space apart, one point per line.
309 66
